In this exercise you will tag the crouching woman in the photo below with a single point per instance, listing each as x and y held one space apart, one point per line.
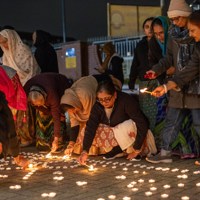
117 124
9 143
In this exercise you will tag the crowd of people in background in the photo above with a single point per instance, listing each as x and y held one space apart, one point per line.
103 120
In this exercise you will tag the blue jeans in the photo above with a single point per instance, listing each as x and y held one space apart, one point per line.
173 122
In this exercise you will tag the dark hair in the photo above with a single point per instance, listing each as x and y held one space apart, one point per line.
194 18
146 20
106 86
156 21
65 107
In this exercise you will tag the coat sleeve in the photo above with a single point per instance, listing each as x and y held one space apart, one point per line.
91 127
190 72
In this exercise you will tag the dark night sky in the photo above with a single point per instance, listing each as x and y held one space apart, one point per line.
84 18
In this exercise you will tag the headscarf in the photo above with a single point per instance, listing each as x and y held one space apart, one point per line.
81 95
19 56
165 24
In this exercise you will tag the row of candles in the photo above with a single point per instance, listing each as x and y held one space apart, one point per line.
125 169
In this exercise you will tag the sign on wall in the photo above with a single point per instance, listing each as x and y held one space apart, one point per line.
127 20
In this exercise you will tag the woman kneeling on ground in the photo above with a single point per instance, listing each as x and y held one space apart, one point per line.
112 125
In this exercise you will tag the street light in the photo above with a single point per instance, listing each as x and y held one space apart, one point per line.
195 5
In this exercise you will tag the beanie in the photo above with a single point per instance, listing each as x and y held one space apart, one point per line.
178 8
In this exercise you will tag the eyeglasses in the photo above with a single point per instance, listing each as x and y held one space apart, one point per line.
175 19
104 100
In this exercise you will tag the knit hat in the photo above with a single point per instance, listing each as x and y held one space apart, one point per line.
178 8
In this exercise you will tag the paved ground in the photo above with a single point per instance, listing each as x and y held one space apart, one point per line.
119 179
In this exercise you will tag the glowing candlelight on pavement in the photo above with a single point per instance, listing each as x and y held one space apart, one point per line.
153 188
148 193
185 198
151 181
48 155
112 196
140 181
127 198
134 189
164 196
181 185
81 183
66 157
145 91
166 186
198 184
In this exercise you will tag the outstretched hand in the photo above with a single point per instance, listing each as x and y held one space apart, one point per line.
83 158
159 91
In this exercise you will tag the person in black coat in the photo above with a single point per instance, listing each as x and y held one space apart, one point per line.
45 54
9 143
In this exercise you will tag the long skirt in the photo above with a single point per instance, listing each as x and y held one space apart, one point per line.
25 126
106 138
45 132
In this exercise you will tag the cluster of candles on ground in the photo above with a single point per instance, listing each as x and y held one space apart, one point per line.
41 162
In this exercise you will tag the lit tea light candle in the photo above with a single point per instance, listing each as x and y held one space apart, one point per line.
52 194
164 196
185 198
48 155
196 172
133 182
136 172
114 167
30 165
66 157
148 193
91 168
181 185
112 196
81 183
153 188
151 181
140 181
198 184
130 186
125 169
126 198
184 176
134 189
44 195
175 170
144 90
166 186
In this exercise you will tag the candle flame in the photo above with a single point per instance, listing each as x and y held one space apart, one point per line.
143 90
48 155
66 157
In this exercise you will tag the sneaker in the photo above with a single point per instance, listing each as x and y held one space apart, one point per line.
162 157
137 158
116 152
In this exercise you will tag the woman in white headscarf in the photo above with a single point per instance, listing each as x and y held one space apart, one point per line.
18 56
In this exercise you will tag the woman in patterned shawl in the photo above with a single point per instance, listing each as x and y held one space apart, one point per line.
19 57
